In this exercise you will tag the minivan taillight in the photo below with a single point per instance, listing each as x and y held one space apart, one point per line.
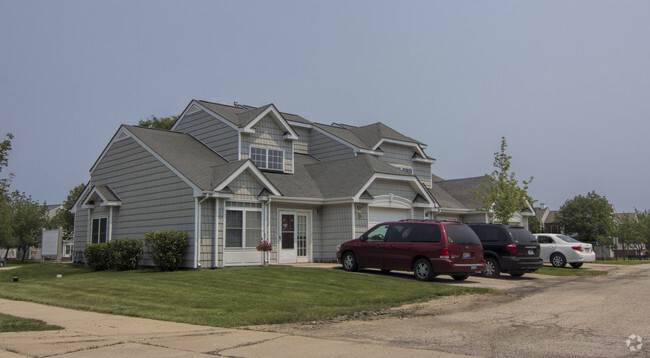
444 253
577 248
512 248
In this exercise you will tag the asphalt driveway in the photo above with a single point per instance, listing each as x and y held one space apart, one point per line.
539 316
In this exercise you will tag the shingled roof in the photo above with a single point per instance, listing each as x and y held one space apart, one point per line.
459 189
183 152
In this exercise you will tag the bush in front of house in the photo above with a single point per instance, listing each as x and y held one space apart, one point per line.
126 253
118 254
98 256
166 248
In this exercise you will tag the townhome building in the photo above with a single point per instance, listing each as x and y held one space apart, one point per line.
230 176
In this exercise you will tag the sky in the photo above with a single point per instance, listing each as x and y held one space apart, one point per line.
567 83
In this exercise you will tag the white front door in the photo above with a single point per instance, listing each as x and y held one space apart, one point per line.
294 237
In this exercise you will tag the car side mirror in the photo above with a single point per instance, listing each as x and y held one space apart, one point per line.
363 237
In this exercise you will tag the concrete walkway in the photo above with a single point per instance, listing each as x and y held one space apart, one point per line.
88 334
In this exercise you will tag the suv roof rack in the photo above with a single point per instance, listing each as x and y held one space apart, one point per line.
432 220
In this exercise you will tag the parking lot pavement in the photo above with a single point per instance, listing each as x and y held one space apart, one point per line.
101 335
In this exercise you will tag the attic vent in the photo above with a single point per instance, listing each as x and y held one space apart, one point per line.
122 136
193 109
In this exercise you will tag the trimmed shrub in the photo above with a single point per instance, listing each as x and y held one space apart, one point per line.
126 253
98 256
166 248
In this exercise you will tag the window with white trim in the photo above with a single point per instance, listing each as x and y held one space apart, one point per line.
265 158
98 231
243 228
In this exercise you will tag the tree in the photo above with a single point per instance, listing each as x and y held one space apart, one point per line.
28 218
590 217
633 231
6 238
160 123
5 147
64 217
502 193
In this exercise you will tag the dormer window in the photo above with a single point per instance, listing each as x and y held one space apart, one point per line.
265 158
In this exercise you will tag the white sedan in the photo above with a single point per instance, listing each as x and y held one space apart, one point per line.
561 249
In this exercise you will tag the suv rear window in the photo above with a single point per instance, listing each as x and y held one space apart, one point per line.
461 235
521 235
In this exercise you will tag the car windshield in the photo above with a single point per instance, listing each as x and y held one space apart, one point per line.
566 238
461 235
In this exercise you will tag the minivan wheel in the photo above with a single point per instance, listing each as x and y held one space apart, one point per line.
576 264
423 271
492 268
349 262
462 277
558 260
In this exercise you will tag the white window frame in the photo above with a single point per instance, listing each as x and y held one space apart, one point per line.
265 165
106 233
244 211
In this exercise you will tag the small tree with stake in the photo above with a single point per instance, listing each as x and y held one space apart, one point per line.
502 193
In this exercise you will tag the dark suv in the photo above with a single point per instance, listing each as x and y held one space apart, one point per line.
511 249
427 248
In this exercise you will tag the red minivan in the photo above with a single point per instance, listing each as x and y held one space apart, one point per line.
428 248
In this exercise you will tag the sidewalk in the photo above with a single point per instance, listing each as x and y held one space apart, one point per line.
102 335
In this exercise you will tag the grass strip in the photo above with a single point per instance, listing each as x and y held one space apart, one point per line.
224 297
16 324
568 271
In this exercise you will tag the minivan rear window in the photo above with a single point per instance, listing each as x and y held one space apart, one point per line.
461 235
520 234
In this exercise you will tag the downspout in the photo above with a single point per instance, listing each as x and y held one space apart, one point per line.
215 250
110 223
354 221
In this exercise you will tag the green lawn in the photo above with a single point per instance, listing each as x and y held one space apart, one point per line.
622 262
569 271
15 324
225 297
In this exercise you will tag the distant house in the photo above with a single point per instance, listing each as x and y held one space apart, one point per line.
546 218
230 176
457 193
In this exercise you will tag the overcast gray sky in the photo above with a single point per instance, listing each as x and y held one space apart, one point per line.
566 82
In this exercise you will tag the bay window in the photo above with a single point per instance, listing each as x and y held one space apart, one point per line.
243 228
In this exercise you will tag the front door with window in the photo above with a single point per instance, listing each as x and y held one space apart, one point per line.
294 237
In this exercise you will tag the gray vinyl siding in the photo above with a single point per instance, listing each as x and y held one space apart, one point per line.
325 148
80 229
401 156
245 187
268 134
337 228
214 133
386 187
302 144
419 213
362 211
207 234
423 172
152 196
